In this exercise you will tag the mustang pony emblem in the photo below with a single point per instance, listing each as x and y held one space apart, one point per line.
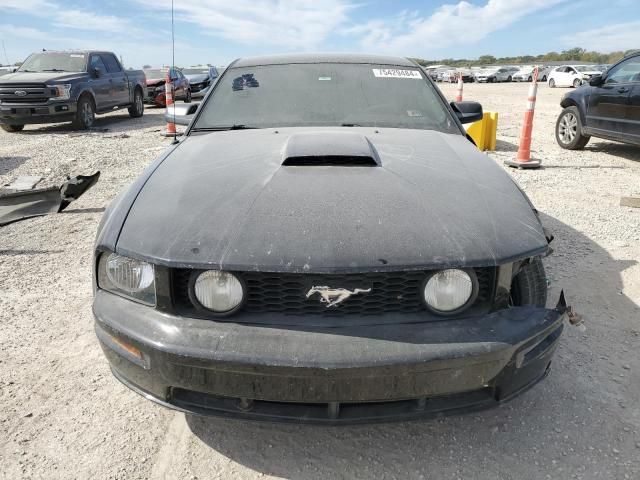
334 296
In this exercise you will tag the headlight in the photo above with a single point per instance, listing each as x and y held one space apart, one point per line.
220 292
448 291
127 277
61 92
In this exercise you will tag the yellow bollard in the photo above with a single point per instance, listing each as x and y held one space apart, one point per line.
484 131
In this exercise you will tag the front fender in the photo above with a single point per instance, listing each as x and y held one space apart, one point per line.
581 101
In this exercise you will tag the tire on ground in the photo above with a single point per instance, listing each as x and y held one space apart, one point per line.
12 128
136 110
529 286
82 121
580 140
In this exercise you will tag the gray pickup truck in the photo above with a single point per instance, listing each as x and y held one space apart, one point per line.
59 86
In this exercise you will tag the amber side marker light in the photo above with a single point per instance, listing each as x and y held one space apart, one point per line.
127 347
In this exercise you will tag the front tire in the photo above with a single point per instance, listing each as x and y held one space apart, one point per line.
12 128
569 130
85 114
577 82
136 110
509 78
187 96
552 83
530 79
544 78
529 286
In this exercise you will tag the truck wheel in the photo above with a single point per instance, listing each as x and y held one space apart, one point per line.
552 83
12 128
137 107
577 82
529 286
569 130
85 114
187 96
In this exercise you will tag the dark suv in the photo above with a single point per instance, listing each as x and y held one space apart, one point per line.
608 107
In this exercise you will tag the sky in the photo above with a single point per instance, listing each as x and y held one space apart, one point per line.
218 31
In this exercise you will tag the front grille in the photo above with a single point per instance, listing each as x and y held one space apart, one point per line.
285 293
34 93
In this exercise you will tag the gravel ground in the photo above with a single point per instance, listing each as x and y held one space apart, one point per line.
63 415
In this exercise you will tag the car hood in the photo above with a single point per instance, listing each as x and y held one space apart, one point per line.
40 77
224 200
197 78
591 72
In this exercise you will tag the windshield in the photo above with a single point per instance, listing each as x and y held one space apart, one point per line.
584 68
195 71
54 62
325 95
156 74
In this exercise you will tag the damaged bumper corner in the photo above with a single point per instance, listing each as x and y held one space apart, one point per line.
25 204
327 375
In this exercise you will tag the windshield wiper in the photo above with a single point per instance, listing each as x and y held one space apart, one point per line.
225 127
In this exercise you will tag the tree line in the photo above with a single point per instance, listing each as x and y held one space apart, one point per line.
574 54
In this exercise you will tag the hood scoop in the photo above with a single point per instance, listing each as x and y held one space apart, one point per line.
337 149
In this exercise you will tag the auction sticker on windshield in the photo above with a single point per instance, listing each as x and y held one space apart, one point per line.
395 73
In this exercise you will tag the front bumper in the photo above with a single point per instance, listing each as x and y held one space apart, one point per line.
157 99
25 114
326 375
200 93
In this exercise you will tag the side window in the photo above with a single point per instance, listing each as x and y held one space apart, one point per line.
112 64
96 61
571 70
627 71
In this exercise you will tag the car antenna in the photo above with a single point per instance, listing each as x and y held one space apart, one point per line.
173 67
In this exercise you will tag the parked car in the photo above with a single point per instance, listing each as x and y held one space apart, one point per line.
156 80
504 74
314 250
525 74
451 76
59 86
571 75
543 73
4 70
200 79
607 107
484 75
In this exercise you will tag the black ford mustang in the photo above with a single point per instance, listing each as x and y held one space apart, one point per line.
325 244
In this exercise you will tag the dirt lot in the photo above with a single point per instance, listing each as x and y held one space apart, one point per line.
63 415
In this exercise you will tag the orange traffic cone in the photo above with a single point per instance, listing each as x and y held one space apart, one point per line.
523 158
168 96
460 86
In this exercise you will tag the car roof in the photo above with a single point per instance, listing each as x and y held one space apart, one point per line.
323 58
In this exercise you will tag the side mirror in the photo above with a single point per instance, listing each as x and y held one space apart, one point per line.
596 80
97 72
181 114
467 112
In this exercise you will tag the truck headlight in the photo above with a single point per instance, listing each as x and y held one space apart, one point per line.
220 292
449 291
127 277
61 92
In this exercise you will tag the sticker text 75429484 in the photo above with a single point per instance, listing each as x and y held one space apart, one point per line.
395 73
